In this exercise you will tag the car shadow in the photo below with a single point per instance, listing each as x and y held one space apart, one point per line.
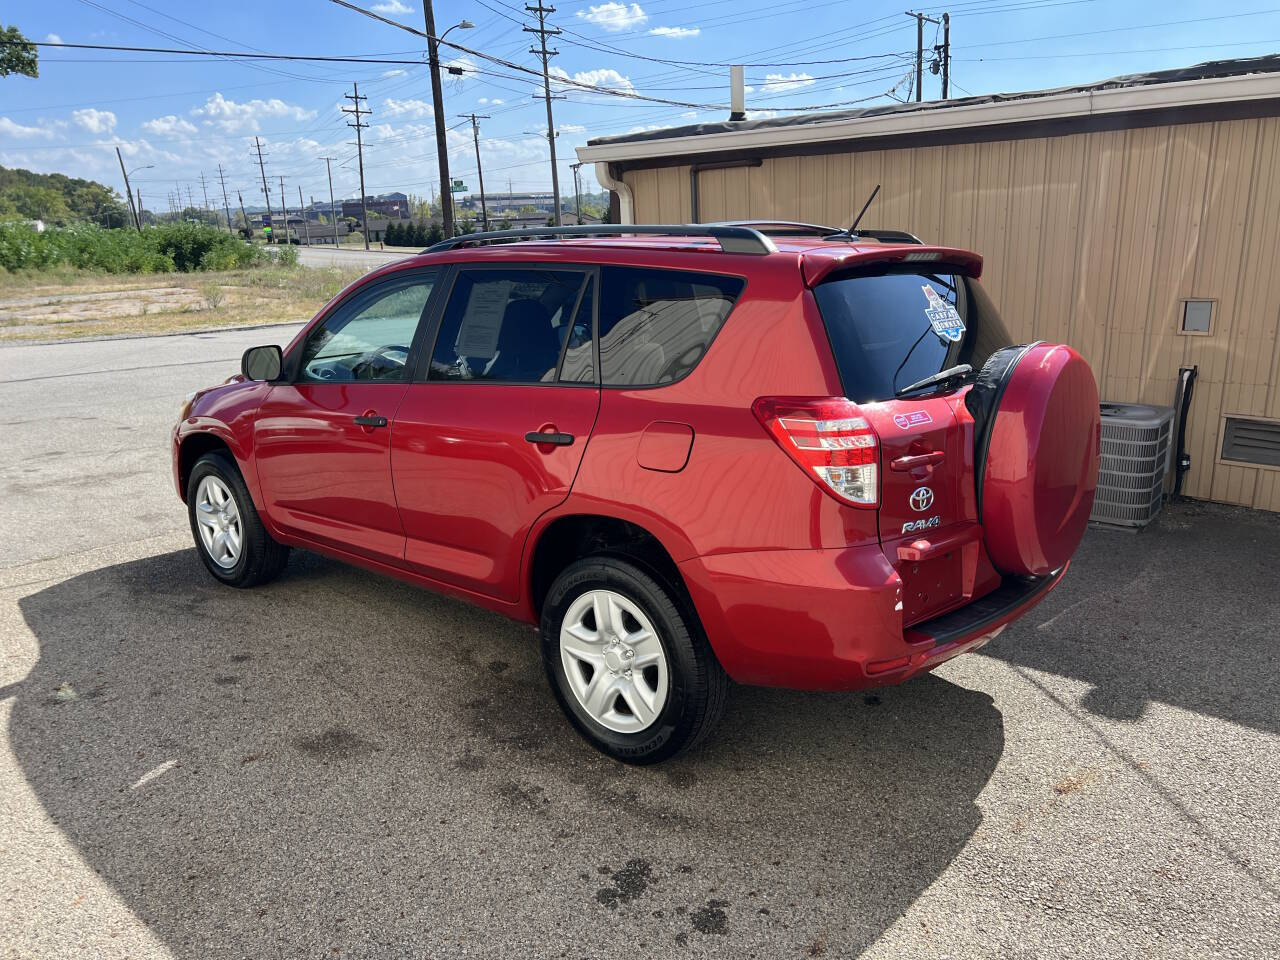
1184 613
340 764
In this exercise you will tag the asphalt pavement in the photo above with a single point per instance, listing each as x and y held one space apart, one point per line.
345 766
322 256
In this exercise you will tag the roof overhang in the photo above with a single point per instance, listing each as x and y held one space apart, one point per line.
1175 97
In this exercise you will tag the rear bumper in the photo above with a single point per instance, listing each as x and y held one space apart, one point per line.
832 619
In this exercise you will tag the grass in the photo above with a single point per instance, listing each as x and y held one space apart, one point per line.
63 303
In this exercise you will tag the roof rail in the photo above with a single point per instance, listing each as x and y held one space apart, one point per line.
782 228
732 239
795 228
889 236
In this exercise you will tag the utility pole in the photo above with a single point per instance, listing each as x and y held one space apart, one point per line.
262 170
437 104
333 217
244 216
191 200
945 22
358 112
919 53
306 224
577 192
946 55
475 134
543 31
226 207
140 210
128 192
284 206
204 191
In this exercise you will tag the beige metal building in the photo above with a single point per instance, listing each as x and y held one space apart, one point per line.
1137 219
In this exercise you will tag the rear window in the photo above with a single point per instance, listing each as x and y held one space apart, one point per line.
890 329
655 325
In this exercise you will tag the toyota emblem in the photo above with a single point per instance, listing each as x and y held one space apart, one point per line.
922 499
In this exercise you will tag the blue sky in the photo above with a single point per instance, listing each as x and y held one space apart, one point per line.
185 115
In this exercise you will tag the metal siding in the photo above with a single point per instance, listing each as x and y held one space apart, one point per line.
1091 239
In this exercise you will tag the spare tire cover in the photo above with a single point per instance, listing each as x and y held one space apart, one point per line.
1039 434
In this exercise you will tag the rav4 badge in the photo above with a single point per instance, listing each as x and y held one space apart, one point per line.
915 525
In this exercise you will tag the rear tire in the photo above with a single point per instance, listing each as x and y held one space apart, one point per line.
230 538
628 663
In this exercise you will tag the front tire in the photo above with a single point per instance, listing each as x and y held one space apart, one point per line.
628 663
230 538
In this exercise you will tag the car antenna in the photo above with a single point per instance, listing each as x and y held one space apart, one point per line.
853 227
865 207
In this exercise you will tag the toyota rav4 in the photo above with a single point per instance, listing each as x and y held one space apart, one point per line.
769 453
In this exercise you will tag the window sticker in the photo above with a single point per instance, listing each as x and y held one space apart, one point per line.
482 320
943 317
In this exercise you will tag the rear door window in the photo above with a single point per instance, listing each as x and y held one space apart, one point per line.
890 329
655 325
508 326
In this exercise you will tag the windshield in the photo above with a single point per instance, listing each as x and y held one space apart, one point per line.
892 328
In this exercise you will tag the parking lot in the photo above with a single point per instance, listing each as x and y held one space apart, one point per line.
342 765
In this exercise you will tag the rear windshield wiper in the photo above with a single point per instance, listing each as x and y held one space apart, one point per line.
959 371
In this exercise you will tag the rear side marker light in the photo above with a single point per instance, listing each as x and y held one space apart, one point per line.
831 441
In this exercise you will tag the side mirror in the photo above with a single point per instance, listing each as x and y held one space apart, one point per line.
262 363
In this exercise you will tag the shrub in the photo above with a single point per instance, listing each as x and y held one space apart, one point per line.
212 294
434 235
392 237
179 246
287 256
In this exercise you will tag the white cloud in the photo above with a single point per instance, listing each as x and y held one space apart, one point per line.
614 17
11 129
495 102
169 126
777 82
572 128
52 38
603 77
387 74
675 33
463 63
391 6
95 121
689 115
761 114
232 117
406 108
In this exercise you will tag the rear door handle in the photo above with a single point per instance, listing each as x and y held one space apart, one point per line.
555 439
367 421
918 460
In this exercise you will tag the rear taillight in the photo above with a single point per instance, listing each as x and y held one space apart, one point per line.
831 440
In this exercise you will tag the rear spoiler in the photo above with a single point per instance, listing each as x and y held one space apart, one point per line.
818 264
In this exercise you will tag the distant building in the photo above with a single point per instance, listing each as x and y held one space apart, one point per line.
499 203
392 206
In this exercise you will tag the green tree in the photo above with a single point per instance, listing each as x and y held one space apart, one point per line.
433 236
394 237
17 54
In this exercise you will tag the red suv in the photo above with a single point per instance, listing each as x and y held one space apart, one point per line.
773 453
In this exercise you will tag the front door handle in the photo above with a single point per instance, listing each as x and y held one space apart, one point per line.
370 421
555 439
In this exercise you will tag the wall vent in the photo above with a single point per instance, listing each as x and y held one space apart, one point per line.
1135 456
1251 441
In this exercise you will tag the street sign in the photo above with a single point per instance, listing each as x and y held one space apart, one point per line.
458 187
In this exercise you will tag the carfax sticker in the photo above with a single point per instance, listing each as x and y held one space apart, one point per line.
942 316
913 419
